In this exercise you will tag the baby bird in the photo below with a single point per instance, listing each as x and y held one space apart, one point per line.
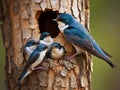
34 60
46 39
28 48
56 51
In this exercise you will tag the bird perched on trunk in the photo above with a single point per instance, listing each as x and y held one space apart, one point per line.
76 34
45 38
28 48
56 51
34 60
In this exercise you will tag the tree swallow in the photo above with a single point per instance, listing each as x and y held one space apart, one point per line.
76 34
56 51
34 60
28 48
46 38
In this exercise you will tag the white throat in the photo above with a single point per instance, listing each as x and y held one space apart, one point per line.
62 26
57 53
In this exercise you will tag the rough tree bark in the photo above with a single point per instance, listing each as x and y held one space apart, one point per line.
22 20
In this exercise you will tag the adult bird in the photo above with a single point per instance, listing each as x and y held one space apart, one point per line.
56 51
34 60
76 34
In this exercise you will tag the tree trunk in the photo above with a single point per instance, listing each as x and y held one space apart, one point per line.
26 19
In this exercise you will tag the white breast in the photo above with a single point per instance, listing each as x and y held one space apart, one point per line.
39 60
62 26
29 50
57 53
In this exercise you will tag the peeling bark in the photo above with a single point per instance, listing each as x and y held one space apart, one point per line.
20 23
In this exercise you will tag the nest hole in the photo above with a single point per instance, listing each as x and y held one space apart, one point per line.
46 24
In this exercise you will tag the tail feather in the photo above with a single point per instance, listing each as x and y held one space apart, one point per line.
19 79
110 63
105 58
106 53
22 75
100 53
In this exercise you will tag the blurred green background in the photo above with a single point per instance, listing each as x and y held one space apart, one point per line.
105 28
2 62
105 24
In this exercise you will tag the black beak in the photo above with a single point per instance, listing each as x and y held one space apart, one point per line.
38 42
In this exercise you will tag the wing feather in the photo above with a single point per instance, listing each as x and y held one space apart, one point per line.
81 42
33 57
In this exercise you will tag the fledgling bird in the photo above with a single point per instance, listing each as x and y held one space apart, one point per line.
76 34
34 60
28 48
46 38
56 51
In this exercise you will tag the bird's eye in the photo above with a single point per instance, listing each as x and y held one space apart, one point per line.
61 19
46 35
46 47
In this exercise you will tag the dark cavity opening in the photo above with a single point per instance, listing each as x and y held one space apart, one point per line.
46 24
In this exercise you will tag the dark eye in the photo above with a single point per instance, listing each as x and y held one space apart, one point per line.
46 35
45 47
61 19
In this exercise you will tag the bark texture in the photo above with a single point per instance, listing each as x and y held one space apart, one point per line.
20 23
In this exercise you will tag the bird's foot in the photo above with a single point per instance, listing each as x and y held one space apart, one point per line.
38 68
67 57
